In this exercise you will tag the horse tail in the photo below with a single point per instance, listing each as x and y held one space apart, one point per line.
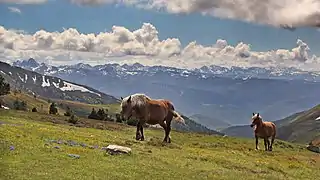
176 115
274 130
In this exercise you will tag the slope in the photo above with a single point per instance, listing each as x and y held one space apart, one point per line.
301 127
304 128
52 87
35 154
42 104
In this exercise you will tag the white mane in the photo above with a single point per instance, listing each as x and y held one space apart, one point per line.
137 99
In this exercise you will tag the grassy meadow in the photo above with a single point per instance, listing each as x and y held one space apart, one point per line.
27 151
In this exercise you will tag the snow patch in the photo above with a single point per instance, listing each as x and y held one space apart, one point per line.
2 72
72 87
34 79
44 82
20 78
10 73
56 84
25 77
318 118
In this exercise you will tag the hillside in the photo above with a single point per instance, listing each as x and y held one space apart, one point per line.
215 92
300 127
34 147
303 128
42 104
83 110
52 87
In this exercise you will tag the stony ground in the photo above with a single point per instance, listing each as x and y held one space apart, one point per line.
33 148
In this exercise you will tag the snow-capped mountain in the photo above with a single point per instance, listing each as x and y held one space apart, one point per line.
203 72
226 94
51 87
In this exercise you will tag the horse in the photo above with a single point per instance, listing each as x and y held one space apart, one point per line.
150 111
263 129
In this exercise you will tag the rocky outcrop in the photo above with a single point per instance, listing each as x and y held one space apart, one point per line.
314 146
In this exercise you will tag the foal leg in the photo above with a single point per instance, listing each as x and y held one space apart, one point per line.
265 144
272 140
256 142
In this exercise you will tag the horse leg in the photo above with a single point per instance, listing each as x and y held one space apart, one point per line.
265 144
272 140
141 130
268 141
168 133
138 136
164 126
256 142
168 122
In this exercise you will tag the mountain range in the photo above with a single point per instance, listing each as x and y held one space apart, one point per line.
227 95
39 90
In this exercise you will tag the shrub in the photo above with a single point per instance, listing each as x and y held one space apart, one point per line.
53 109
118 118
132 122
34 109
68 112
73 119
93 114
20 105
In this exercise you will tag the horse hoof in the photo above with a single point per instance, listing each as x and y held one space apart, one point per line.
142 139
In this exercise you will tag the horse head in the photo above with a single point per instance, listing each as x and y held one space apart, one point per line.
256 119
126 107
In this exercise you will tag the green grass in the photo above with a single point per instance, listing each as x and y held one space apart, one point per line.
80 109
189 156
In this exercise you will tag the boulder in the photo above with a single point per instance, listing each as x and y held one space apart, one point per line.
314 145
313 148
115 149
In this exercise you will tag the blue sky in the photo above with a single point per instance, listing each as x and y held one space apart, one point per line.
55 15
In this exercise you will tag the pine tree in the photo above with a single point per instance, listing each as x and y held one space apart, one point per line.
53 109
4 88
68 112
93 114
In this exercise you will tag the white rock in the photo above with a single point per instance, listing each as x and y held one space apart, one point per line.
115 149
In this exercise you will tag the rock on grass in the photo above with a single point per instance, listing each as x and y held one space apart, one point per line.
115 149
76 156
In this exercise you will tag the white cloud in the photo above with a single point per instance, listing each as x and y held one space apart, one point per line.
14 10
143 45
271 12
23 1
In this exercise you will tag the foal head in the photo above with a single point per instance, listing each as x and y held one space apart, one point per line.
256 119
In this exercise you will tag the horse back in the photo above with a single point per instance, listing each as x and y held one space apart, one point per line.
271 128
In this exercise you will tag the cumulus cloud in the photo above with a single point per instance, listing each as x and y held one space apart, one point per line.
143 45
271 12
14 10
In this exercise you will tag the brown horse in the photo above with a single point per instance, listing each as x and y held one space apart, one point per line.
263 129
150 111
